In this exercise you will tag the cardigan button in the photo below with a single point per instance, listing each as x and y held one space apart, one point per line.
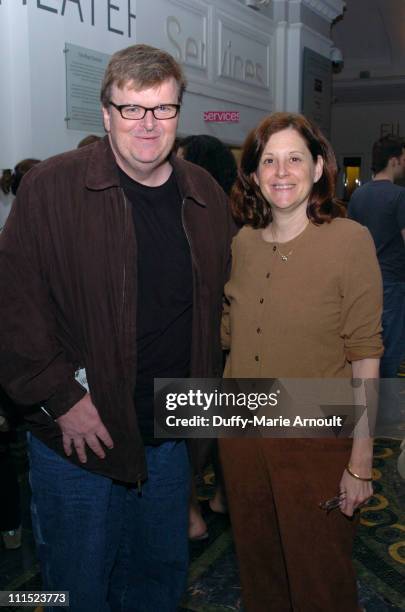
256 357
258 330
268 275
261 300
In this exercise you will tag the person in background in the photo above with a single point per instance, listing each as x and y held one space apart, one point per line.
10 507
380 206
10 181
209 153
112 267
303 301
5 181
87 140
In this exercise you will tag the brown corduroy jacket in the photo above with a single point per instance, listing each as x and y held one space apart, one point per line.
68 294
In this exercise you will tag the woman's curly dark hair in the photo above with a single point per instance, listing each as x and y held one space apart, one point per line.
248 203
210 153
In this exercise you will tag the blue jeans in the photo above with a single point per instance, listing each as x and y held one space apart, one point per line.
113 550
393 321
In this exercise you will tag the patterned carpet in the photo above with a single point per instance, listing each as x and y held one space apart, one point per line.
379 548
213 579
380 544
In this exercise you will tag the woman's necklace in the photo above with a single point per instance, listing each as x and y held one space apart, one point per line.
283 256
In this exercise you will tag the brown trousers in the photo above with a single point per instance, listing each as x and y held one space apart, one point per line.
292 555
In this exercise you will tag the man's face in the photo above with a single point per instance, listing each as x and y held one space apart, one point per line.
141 146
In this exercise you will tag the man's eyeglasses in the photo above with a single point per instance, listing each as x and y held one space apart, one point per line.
134 111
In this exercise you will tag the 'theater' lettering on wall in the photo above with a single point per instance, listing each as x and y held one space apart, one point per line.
90 12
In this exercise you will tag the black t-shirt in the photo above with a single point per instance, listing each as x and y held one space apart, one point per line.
164 291
380 206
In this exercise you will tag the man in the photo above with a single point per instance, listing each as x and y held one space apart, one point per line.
380 206
112 267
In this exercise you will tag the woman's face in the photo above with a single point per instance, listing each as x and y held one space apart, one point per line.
286 171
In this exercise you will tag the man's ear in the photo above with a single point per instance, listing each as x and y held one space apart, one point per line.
392 163
106 118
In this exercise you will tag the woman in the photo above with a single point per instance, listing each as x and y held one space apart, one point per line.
304 301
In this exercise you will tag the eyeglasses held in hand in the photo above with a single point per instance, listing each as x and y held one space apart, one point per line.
135 111
331 504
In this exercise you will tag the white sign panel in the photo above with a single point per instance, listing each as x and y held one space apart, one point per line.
84 73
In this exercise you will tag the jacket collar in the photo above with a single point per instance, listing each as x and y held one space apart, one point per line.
102 172
188 179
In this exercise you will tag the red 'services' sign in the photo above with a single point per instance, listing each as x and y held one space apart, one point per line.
221 116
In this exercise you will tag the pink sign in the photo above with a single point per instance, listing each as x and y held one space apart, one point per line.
221 116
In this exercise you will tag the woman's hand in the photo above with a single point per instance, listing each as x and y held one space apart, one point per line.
356 493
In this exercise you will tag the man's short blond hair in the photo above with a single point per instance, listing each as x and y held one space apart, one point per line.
143 66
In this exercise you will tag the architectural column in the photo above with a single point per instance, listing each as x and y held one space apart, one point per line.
300 24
